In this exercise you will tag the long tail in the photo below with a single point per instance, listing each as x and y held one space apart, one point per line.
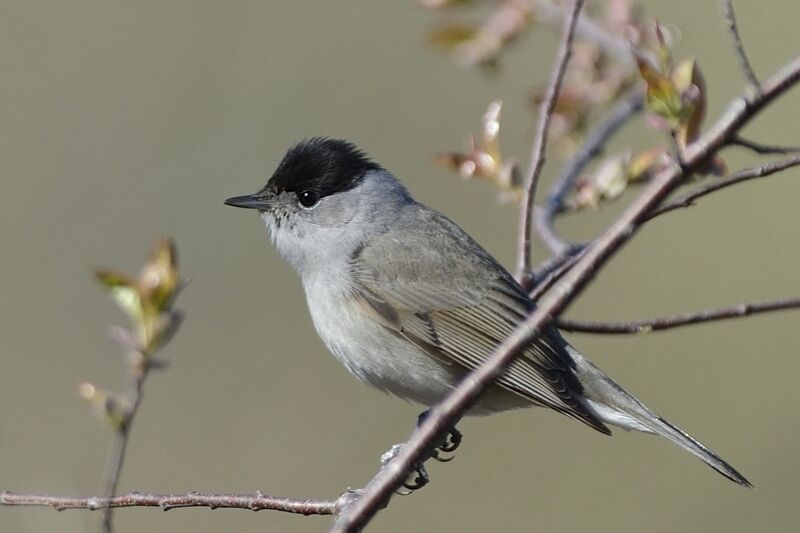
617 407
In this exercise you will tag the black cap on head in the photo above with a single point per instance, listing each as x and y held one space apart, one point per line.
323 165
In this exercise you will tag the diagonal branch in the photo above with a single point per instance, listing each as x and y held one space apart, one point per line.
760 171
447 413
444 415
166 502
540 140
744 63
675 321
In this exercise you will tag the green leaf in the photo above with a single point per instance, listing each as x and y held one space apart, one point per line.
123 290
159 280
662 96
111 278
690 83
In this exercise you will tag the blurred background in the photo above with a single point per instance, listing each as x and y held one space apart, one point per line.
124 121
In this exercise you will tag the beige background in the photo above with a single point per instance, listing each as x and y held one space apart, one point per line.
122 121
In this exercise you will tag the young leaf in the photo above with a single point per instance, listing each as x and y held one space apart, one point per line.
689 82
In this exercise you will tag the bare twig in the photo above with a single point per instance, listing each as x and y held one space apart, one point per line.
560 265
510 18
552 270
763 149
743 175
668 322
448 412
591 147
540 140
553 13
744 63
121 436
166 502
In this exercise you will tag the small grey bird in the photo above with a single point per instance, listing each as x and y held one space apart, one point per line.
410 303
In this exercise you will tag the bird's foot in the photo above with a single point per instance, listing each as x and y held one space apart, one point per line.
449 445
416 480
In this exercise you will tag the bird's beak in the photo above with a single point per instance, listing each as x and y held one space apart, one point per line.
249 201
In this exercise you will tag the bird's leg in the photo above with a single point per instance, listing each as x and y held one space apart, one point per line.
418 479
450 443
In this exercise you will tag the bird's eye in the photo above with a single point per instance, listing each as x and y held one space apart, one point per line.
308 198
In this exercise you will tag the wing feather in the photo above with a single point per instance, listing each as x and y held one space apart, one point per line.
460 313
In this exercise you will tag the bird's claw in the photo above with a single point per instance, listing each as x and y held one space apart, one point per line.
451 442
437 456
418 478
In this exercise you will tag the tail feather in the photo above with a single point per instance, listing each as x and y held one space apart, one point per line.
613 405
650 422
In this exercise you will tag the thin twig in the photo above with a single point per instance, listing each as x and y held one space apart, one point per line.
763 149
166 502
629 106
560 266
540 139
675 321
615 46
744 63
115 461
743 175
139 370
445 414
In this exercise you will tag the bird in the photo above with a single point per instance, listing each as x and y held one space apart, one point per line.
409 303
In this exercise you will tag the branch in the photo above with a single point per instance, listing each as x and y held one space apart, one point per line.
540 140
166 502
763 148
445 414
760 171
744 63
591 148
675 321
